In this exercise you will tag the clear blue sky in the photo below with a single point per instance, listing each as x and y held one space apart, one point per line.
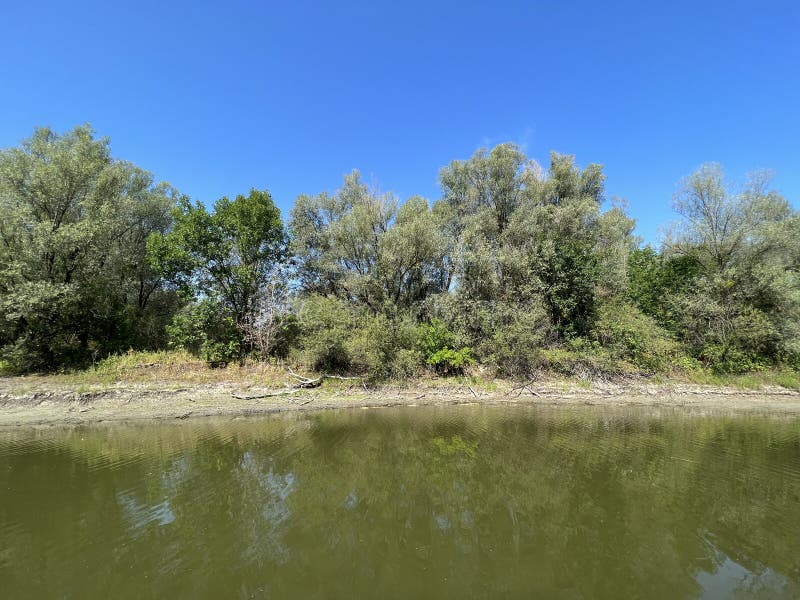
220 97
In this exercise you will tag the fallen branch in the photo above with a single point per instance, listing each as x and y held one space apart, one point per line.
303 383
306 382
532 391
515 388
523 386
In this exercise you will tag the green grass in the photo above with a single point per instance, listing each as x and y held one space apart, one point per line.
165 369
748 381
176 366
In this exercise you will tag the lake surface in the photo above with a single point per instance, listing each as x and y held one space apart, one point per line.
450 502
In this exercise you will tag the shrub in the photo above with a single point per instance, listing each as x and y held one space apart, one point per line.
451 362
583 359
208 331
627 334
436 343
518 337
325 326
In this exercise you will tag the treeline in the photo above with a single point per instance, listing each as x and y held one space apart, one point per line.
515 269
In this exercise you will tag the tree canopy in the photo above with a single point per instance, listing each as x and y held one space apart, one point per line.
74 275
515 266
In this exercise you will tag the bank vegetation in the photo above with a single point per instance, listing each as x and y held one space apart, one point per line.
517 270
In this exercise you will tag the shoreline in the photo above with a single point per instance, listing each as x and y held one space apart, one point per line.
58 404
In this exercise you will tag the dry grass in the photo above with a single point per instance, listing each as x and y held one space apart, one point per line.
165 368
176 369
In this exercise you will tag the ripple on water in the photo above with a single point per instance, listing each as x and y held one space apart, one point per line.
461 501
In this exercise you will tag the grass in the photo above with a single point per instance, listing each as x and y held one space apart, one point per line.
749 381
177 368
164 367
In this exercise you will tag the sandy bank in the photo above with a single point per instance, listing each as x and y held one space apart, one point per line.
46 403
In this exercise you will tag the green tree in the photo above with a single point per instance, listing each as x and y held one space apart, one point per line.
530 242
74 279
365 248
227 256
742 309
655 279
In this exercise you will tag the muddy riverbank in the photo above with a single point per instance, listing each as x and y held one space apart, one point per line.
50 403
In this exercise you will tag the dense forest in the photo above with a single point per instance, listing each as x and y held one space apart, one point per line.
516 269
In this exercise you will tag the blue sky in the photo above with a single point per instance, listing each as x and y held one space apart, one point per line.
217 98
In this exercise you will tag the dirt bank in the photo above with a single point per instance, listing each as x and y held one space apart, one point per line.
51 403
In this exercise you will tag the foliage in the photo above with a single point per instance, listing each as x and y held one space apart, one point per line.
449 362
325 327
228 254
359 246
229 259
518 336
628 335
741 309
206 329
517 267
437 345
336 337
523 236
266 329
75 282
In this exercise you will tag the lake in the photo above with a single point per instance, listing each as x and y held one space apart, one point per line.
446 502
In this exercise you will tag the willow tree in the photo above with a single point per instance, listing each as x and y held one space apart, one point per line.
534 252
367 248
742 309
74 278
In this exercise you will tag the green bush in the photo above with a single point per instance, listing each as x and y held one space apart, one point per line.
325 326
583 359
408 362
519 335
337 337
435 336
451 362
370 346
626 334
436 344
208 331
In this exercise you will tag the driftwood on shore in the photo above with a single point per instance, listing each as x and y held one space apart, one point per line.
301 383
525 386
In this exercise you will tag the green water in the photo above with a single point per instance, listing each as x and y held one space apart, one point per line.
457 502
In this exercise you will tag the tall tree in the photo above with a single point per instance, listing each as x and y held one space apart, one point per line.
74 279
361 246
743 307
529 242
228 254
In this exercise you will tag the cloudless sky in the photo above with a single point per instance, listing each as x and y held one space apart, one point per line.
217 98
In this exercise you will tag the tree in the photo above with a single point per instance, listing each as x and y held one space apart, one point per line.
654 279
227 254
74 280
743 307
490 182
363 247
270 313
227 257
532 243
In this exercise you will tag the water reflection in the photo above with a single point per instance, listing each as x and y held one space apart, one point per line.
455 502
729 579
